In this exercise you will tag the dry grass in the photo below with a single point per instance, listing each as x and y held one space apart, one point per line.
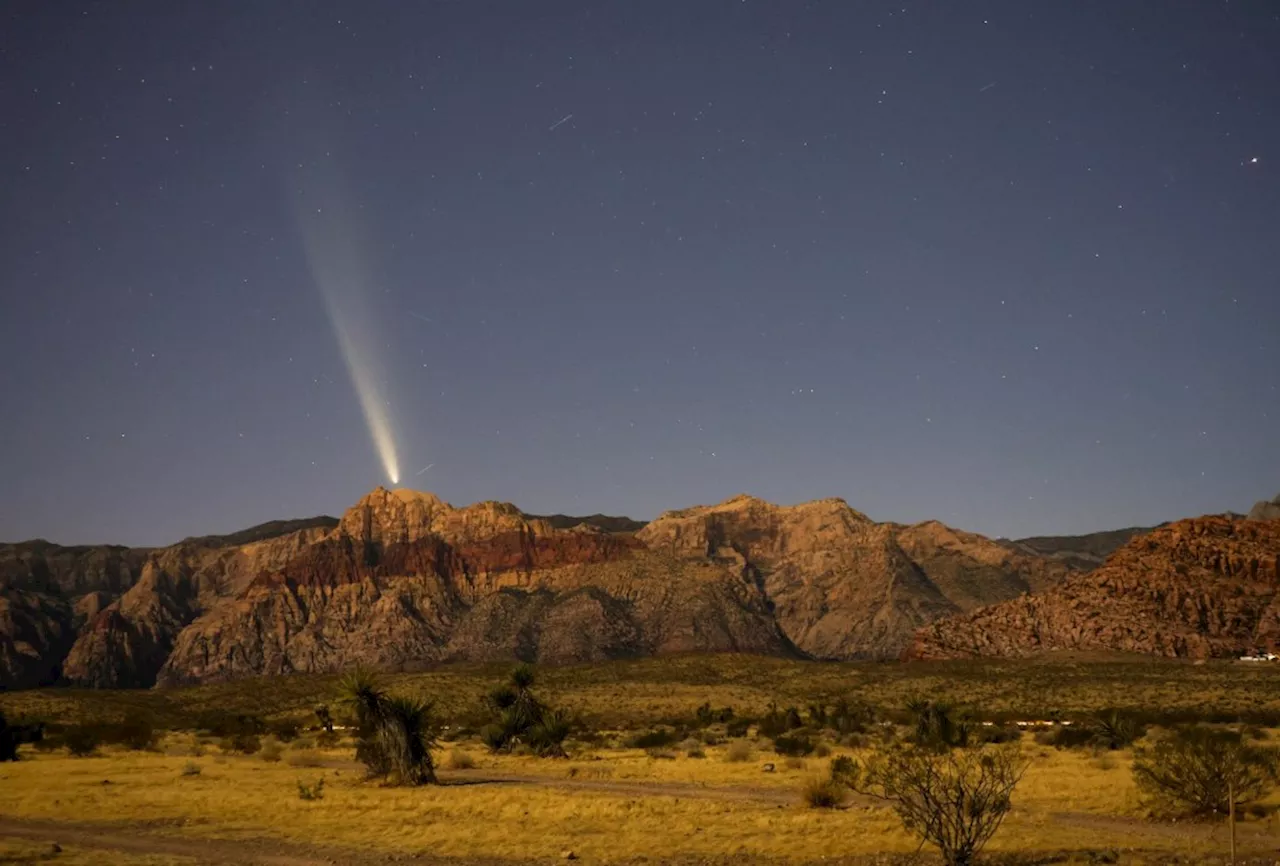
605 819
460 760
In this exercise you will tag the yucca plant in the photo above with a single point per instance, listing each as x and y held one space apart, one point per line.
547 737
394 734
518 710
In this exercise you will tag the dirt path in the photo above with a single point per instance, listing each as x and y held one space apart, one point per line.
627 788
135 840
1251 838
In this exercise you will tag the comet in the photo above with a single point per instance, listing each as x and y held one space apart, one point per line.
334 252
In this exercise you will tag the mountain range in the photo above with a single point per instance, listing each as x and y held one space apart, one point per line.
404 579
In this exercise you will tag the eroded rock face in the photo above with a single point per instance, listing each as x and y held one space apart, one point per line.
1196 588
404 579
1266 510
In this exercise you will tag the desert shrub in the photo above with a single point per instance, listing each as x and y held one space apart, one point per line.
696 752
857 741
823 793
822 750
654 739
14 734
284 730
848 717
705 715
738 752
325 717
311 792
843 770
82 740
937 726
395 734
954 799
794 763
220 723
271 752
244 743
190 768
1192 770
661 754
136 731
776 722
737 728
795 745
327 739
304 758
1113 729
460 760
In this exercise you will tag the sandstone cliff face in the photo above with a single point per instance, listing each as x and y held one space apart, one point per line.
841 585
404 579
1196 588
47 593
126 643
407 579
1266 510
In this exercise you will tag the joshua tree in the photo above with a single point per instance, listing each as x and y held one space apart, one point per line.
395 736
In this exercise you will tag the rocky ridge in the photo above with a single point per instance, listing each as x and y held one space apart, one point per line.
404 579
1199 588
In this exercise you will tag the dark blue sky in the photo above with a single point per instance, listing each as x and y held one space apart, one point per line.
1012 265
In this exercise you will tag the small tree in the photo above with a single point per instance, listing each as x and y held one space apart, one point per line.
1197 770
953 799
394 734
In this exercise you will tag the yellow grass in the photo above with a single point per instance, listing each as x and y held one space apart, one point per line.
239 797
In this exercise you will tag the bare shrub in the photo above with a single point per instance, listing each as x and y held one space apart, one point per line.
823 793
954 799
738 752
271 752
191 768
1197 770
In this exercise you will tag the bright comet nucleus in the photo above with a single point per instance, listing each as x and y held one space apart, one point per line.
334 255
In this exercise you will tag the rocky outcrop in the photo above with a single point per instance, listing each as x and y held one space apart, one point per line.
1266 510
404 579
1197 588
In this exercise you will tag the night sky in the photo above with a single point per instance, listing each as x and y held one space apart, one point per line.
1012 265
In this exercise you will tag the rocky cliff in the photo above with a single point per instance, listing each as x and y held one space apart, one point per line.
404 579
1266 510
1196 588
